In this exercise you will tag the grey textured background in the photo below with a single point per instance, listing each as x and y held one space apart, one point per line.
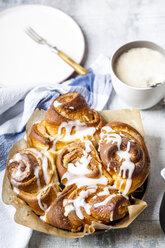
107 24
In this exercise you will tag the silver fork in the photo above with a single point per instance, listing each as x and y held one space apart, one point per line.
42 41
36 37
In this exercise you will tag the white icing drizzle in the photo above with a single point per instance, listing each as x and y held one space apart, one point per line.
87 148
56 104
81 130
127 165
36 173
110 196
16 190
42 205
76 204
45 169
108 166
36 152
107 129
36 122
43 156
79 202
76 172
71 107
76 175
17 158
86 118
163 173
121 134
114 138
105 191
80 167
103 203
121 184
111 215
18 174
108 135
43 217
83 181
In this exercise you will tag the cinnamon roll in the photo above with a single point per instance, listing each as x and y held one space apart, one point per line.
33 177
79 163
75 207
70 118
124 155
40 138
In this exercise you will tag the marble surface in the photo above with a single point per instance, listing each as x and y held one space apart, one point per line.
106 25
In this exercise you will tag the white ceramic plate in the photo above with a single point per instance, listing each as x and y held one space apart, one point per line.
23 61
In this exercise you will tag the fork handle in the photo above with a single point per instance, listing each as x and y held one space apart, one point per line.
78 68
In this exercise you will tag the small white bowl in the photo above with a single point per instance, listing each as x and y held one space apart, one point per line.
142 98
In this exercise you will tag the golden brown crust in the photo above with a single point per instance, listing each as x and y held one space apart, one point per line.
115 209
68 108
73 154
138 155
55 216
39 138
103 204
72 107
33 177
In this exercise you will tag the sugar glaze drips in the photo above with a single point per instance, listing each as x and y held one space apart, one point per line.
108 135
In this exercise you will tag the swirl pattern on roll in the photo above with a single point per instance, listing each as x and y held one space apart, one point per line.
41 139
70 118
75 207
79 163
33 177
124 155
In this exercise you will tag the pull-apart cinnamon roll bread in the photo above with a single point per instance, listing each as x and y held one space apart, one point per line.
124 155
32 174
68 119
96 164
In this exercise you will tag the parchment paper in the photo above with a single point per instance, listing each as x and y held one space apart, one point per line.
25 216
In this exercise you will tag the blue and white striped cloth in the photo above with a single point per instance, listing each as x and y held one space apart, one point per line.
96 89
16 107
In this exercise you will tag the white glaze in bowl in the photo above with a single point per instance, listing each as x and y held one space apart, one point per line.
142 98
